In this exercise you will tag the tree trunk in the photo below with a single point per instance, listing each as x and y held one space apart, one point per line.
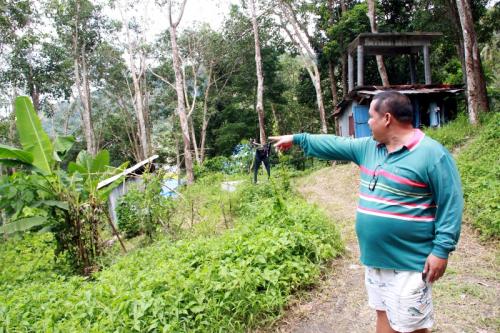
299 38
343 6
455 19
88 104
179 88
331 66
86 113
380 60
319 98
206 116
345 87
343 59
476 95
83 86
139 111
260 77
195 144
33 89
333 83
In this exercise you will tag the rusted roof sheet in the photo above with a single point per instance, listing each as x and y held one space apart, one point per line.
367 92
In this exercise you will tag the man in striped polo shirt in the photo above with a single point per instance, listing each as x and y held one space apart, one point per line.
409 211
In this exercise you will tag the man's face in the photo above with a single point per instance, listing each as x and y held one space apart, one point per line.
377 123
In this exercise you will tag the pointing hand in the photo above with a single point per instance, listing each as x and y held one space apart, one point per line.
282 142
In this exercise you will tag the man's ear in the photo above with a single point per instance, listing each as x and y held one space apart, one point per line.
387 119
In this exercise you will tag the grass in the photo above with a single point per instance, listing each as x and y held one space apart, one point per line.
454 133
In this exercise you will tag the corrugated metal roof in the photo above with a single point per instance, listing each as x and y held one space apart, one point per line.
409 89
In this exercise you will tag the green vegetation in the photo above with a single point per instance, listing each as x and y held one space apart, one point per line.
66 202
454 133
142 210
479 167
225 280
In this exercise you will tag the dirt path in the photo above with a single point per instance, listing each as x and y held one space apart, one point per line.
466 299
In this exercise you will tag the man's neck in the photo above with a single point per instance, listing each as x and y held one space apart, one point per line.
398 137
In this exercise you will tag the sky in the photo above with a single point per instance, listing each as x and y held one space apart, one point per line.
209 11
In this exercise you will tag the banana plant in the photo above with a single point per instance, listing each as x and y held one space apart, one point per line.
38 154
41 156
71 200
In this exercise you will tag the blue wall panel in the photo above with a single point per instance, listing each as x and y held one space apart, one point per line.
361 128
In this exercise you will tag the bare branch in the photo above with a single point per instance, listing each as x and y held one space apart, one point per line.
162 78
181 12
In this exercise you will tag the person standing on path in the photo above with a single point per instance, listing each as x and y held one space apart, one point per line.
409 212
262 152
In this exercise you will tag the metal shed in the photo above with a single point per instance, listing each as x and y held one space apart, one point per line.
433 105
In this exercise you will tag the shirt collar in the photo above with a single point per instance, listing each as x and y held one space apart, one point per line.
412 143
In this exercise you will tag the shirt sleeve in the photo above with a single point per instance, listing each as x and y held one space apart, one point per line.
448 196
332 147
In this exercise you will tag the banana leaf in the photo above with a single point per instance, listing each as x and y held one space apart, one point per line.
88 165
15 163
62 144
101 162
14 154
22 224
32 136
54 203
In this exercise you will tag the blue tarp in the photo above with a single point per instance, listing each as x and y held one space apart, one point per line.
169 185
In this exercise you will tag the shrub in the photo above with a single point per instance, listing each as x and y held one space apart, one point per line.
144 210
129 213
239 162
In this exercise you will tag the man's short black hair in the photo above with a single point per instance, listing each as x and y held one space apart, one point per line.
395 103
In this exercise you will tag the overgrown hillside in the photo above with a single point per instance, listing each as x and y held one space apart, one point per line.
228 281
479 166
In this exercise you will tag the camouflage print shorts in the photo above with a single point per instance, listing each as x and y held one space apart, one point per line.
403 295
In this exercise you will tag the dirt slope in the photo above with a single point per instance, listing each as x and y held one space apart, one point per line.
466 299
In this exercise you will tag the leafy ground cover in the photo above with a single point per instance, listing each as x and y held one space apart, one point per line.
454 133
479 166
224 282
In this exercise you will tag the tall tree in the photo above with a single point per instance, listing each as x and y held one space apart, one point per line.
207 69
179 88
373 25
35 63
477 100
343 59
80 26
81 71
115 117
331 65
260 76
299 36
137 51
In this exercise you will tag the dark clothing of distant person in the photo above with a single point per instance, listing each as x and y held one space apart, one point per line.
262 153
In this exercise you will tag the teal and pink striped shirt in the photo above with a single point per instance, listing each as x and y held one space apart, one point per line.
410 200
